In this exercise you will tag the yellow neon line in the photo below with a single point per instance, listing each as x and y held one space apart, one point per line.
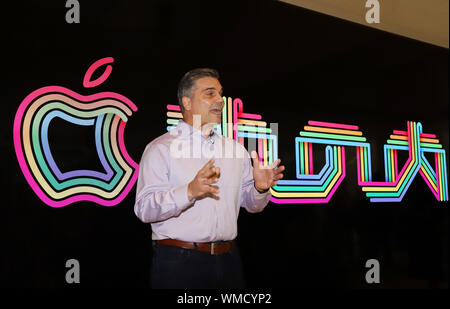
422 139
265 151
230 119
252 122
400 182
429 140
428 177
399 137
315 194
174 115
328 130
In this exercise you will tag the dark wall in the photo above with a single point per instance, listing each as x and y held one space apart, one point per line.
289 64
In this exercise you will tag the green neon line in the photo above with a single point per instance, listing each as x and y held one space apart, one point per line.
302 163
396 142
444 178
224 117
254 129
429 173
333 136
405 143
430 145
270 152
172 121
309 188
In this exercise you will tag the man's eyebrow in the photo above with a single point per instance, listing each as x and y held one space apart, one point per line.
213 88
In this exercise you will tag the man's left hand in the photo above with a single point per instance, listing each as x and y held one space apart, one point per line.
266 176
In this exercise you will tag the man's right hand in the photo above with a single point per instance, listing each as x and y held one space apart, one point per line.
202 184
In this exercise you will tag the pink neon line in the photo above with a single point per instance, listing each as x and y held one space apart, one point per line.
259 150
436 163
249 116
429 135
436 195
310 160
332 125
172 107
87 82
315 201
236 102
358 166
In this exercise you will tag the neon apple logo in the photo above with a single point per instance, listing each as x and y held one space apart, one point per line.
108 112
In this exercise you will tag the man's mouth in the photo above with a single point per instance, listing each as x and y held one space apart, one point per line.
216 111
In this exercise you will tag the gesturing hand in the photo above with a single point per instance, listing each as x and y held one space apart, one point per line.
202 184
266 176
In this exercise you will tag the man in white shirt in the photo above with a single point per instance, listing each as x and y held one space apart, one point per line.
191 189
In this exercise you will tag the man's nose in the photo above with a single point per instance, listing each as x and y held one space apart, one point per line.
219 100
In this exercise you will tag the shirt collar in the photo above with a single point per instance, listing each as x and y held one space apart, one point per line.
188 130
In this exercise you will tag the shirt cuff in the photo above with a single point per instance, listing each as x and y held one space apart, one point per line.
180 195
260 195
260 192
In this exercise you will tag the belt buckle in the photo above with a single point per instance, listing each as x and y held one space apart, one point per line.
212 248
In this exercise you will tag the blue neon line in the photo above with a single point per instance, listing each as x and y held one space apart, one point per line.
263 136
330 142
386 178
329 155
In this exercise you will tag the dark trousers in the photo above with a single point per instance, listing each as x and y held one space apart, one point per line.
178 268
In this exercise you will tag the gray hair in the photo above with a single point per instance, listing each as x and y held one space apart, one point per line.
187 82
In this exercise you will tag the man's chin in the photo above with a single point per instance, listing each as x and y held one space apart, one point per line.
214 121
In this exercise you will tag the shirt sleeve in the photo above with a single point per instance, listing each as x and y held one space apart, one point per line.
156 199
251 199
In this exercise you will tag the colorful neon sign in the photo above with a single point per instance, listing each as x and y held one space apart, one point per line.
108 112
320 187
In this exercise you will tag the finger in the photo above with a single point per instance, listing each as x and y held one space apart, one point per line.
211 171
275 163
274 183
218 172
279 170
212 189
255 158
211 195
211 180
277 177
207 165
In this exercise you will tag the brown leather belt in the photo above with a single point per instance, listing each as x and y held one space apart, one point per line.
219 247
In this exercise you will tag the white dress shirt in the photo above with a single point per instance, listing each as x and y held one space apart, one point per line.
170 162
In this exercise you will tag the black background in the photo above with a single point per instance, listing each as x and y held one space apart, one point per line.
289 64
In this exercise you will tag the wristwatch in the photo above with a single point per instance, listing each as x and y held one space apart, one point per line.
261 192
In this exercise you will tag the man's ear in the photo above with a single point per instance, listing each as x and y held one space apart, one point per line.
187 103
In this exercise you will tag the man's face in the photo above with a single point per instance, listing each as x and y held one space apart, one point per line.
207 100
